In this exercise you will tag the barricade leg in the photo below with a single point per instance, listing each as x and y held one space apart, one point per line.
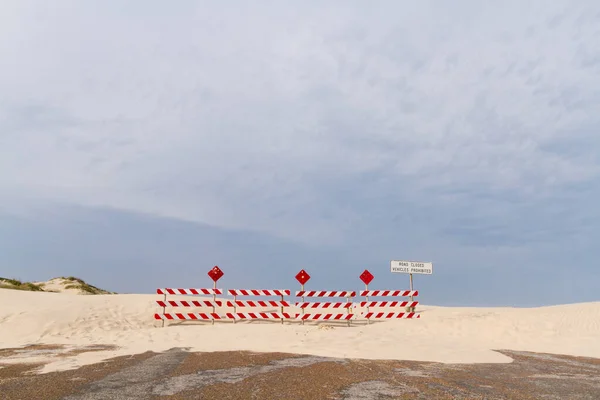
234 306
282 313
348 309
165 300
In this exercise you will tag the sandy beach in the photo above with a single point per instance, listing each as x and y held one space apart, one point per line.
442 334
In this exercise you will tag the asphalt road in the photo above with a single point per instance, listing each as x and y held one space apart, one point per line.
178 374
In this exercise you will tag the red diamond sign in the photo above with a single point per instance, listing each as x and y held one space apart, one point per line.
215 273
302 277
366 277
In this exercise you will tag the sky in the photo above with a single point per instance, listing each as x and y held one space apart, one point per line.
143 142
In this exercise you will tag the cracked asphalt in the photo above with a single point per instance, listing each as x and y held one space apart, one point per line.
178 374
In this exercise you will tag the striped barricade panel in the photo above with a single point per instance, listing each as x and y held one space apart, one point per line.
190 303
388 304
324 293
323 305
258 303
189 316
325 317
382 315
195 292
389 293
260 315
258 292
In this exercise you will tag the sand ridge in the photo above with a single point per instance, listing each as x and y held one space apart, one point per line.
443 334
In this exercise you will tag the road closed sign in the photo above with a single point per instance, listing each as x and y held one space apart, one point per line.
412 267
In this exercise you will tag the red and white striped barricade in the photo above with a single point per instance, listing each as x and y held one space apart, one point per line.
249 306
199 316
328 307
370 314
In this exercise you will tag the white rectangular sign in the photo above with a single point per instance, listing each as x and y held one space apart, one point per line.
412 267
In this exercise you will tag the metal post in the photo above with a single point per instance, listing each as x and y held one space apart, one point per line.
234 307
214 301
348 308
367 301
411 308
282 308
302 308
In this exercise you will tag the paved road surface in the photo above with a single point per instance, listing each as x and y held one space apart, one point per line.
177 374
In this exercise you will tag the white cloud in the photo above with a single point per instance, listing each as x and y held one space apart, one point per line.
251 116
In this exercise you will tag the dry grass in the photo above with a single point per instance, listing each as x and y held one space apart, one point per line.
16 284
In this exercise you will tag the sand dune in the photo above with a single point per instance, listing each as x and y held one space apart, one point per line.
443 334
70 285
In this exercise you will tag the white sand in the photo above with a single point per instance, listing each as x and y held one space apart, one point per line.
442 334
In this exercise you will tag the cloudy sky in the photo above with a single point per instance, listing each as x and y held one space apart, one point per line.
143 142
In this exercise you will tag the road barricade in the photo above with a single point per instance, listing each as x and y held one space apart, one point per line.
328 306
374 308
255 309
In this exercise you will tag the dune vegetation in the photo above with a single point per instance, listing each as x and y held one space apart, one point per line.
7 283
62 284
